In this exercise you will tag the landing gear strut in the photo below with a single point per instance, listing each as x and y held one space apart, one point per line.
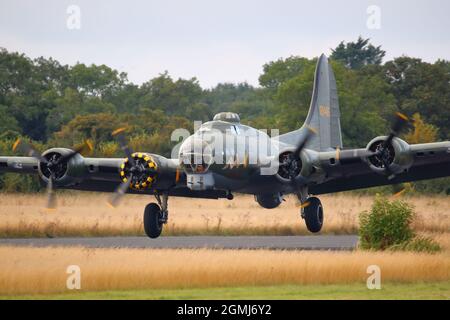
156 215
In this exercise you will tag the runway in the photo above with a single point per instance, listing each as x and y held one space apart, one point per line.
319 242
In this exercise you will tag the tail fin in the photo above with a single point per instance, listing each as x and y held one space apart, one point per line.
324 114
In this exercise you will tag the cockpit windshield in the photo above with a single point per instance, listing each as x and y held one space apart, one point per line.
220 126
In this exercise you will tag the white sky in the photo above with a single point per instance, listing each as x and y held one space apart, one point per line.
216 41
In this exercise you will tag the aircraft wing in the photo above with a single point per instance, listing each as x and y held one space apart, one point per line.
104 175
82 169
347 170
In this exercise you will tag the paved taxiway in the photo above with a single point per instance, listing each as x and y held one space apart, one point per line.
319 242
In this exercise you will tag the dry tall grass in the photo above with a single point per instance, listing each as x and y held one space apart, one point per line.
87 214
43 270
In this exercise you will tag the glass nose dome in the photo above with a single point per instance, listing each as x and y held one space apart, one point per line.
195 156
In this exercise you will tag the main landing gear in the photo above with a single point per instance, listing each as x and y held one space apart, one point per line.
313 214
311 211
156 215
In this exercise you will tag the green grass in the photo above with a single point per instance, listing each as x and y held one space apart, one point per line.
439 290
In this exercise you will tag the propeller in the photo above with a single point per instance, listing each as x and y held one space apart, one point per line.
384 152
51 198
119 134
136 172
51 166
309 133
400 122
290 163
115 198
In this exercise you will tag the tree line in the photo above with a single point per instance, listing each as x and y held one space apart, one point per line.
60 105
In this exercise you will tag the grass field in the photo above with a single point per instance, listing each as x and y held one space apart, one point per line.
31 273
439 290
85 214
25 270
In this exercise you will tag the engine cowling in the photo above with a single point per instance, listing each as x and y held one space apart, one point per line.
143 173
65 173
301 169
269 201
398 156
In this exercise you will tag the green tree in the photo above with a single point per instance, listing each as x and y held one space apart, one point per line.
421 87
97 127
173 97
355 55
281 70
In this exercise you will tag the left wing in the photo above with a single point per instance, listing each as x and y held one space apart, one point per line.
352 169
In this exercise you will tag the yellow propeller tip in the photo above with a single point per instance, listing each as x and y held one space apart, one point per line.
402 116
16 144
116 132
50 210
398 194
109 204
89 145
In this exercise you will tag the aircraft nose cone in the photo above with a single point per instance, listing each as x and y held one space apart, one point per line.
196 155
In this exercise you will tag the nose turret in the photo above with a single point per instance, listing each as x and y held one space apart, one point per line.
195 155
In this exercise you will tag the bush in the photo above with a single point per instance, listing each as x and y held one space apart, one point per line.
15 182
418 244
388 225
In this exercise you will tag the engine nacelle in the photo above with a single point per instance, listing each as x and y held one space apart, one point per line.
65 174
269 201
302 169
150 171
143 172
398 156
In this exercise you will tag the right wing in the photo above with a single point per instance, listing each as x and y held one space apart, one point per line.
103 175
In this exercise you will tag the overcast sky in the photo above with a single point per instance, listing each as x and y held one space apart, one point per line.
216 41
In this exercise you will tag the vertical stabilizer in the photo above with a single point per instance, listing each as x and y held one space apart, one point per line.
323 114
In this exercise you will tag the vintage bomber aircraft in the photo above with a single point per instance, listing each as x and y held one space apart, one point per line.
310 162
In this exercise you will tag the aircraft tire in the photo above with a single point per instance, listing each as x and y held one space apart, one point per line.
152 224
313 215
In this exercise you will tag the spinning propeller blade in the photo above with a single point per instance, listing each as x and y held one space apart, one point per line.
51 197
51 164
399 124
28 149
115 198
119 134
309 133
